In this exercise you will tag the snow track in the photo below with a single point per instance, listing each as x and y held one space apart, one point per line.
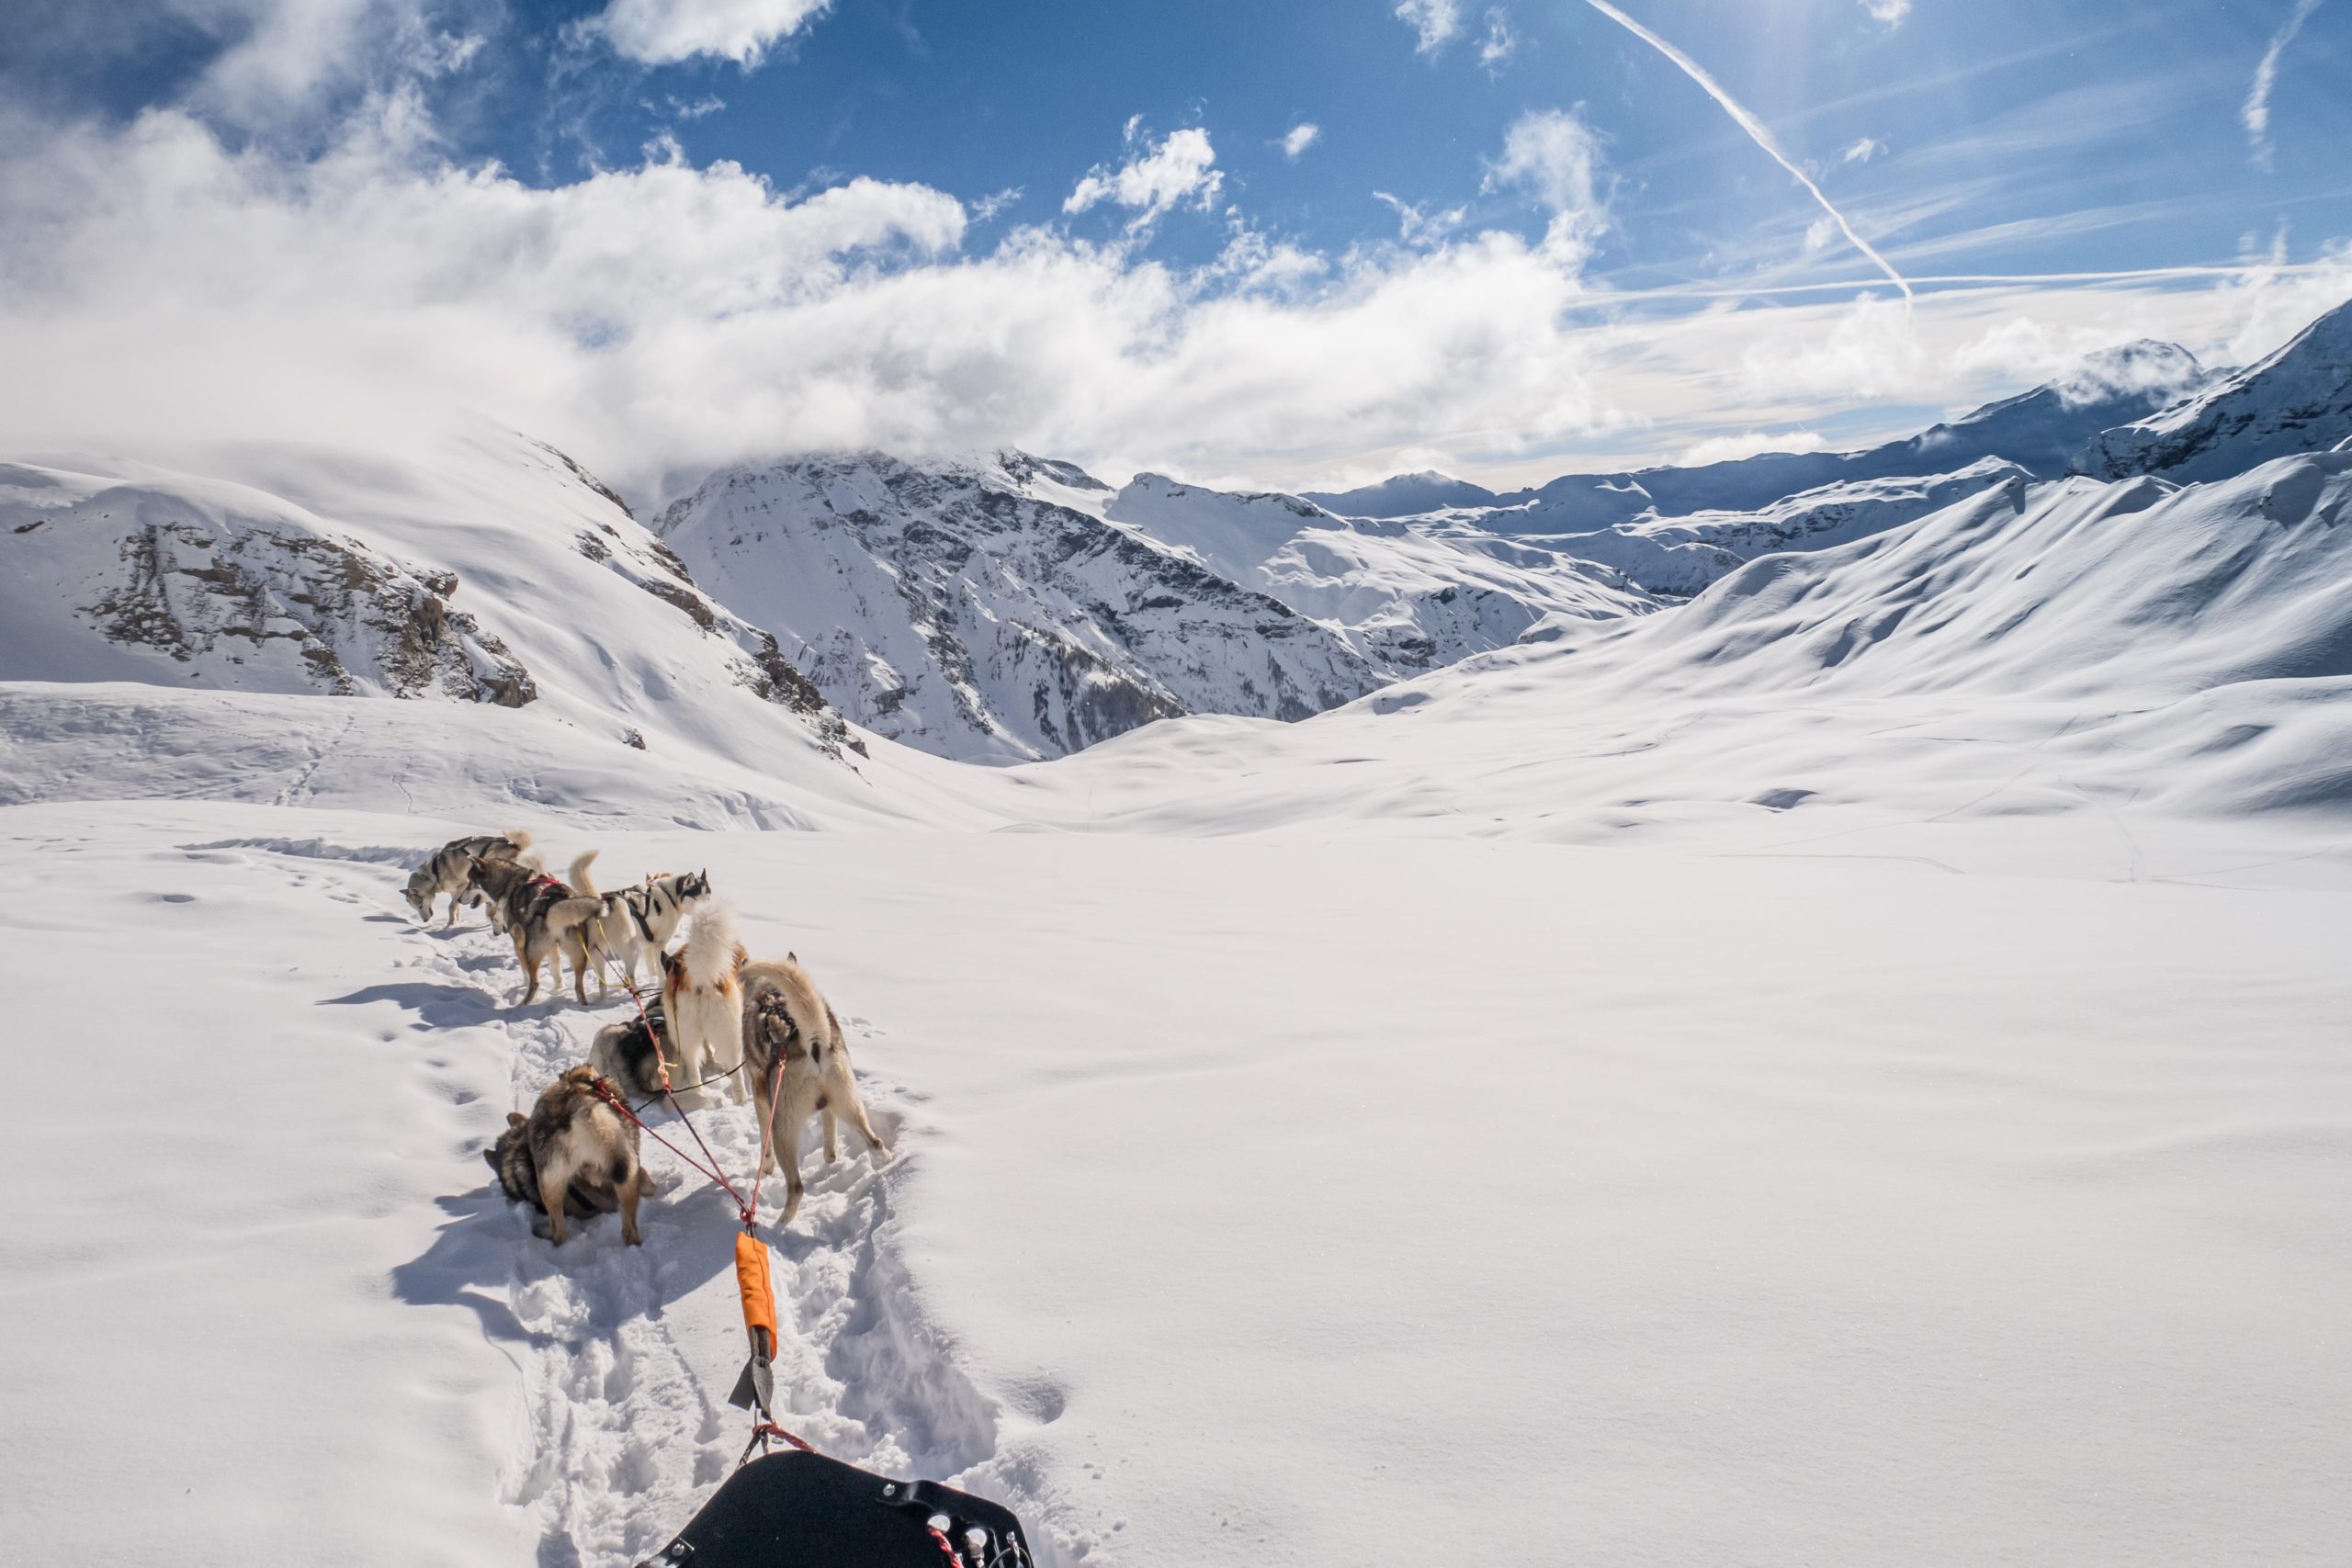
626 1354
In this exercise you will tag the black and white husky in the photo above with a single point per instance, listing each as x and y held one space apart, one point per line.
543 917
449 870
787 1022
635 923
652 911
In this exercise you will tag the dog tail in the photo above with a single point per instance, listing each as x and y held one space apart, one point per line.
569 912
578 876
520 838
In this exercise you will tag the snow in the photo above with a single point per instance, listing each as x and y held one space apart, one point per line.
1411 595
1845 1070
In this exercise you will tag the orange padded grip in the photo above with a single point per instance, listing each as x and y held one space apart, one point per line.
752 1280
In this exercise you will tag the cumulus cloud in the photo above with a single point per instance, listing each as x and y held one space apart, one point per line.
1177 171
1433 22
1299 138
158 283
663 32
1499 44
1862 151
1555 157
2256 112
1891 12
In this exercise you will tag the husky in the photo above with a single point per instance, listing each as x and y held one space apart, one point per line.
702 1002
650 913
542 917
572 1156
637 922
448 870
798 1060
632 1054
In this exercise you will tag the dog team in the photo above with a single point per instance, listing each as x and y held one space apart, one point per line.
721 1016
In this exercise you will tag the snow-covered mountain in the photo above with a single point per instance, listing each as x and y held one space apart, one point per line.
2036 649
2039 431
958 608
488 571
1413 595
1679 556
2296 399
1406 495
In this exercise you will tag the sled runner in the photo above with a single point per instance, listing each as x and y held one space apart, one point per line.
802 1510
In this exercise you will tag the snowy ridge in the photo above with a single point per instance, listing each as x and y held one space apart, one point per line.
1412 595
948 607
2039 431
2298 400
492 570
1405 495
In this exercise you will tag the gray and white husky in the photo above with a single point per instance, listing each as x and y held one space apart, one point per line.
542 917
787 1020
572 1156
449 870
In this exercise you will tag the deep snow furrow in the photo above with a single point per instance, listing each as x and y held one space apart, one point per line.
627 1353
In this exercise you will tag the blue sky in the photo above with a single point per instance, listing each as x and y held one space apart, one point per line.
1537 154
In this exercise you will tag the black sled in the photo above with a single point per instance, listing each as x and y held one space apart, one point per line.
802 1510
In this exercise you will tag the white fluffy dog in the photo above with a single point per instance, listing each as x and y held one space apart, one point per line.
702 1000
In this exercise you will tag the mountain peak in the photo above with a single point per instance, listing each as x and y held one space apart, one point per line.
2296 399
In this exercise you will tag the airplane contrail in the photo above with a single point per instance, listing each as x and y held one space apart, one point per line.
1755 130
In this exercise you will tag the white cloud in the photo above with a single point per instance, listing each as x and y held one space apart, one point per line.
160 287
1819 235
156 285
1891 12
1747 443
1556 158
663 32
1862 151
985 209
1432 21
1179 171
1499 44
1416 225
1300 138
2256 113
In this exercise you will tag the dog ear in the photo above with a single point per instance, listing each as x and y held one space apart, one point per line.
490 1157
515 1119
792 958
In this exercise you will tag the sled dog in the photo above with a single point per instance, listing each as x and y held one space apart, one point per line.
785 1018
637 922
574 1155
447 870
652 909
630 1053
701 1002
542 917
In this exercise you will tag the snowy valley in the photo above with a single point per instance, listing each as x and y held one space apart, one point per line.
1788 1011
